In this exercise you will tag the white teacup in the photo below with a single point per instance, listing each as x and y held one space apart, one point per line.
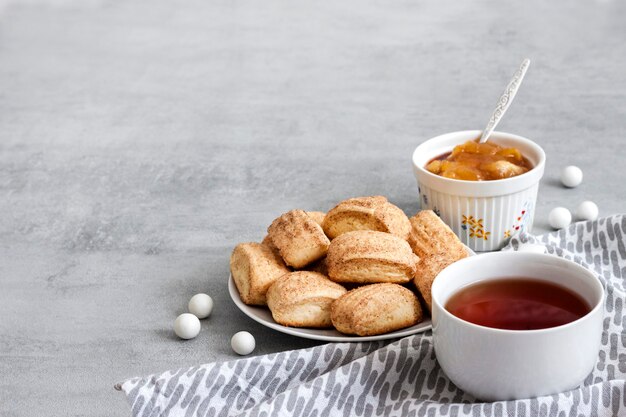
483 214
494 364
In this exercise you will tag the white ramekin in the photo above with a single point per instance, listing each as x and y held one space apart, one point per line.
495 364
484 214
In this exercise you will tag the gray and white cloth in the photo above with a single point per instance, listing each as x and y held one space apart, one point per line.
401 378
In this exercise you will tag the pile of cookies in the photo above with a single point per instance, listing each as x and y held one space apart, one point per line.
360 268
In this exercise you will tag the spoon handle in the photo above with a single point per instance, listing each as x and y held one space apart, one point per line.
505 100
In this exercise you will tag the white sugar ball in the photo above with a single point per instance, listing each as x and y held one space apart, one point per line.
187 326
571 176
560 217
531 248
587 210
242 343
201 306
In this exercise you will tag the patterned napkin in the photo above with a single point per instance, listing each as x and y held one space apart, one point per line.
401 378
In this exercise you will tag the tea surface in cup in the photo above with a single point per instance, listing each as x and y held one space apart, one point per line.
517 304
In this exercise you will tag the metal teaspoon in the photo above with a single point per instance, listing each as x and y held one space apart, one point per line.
505 100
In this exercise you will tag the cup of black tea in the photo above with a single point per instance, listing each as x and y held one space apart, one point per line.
512 325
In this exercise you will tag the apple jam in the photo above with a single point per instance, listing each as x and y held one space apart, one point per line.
473 161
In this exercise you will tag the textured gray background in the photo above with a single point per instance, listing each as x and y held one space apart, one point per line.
141 140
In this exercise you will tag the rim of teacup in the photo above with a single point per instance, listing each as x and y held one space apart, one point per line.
599 304
439 145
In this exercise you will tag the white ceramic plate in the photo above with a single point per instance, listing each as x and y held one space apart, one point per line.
264 316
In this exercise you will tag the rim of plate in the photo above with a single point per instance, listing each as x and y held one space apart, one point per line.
260 315
327 335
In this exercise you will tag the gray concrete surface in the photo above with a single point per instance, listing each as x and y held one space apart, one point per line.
141 140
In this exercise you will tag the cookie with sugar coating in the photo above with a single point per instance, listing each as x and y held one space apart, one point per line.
299 239
254 268
437 247
319 266
366 213
318 216
268 242
303 299
376 309
367 257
